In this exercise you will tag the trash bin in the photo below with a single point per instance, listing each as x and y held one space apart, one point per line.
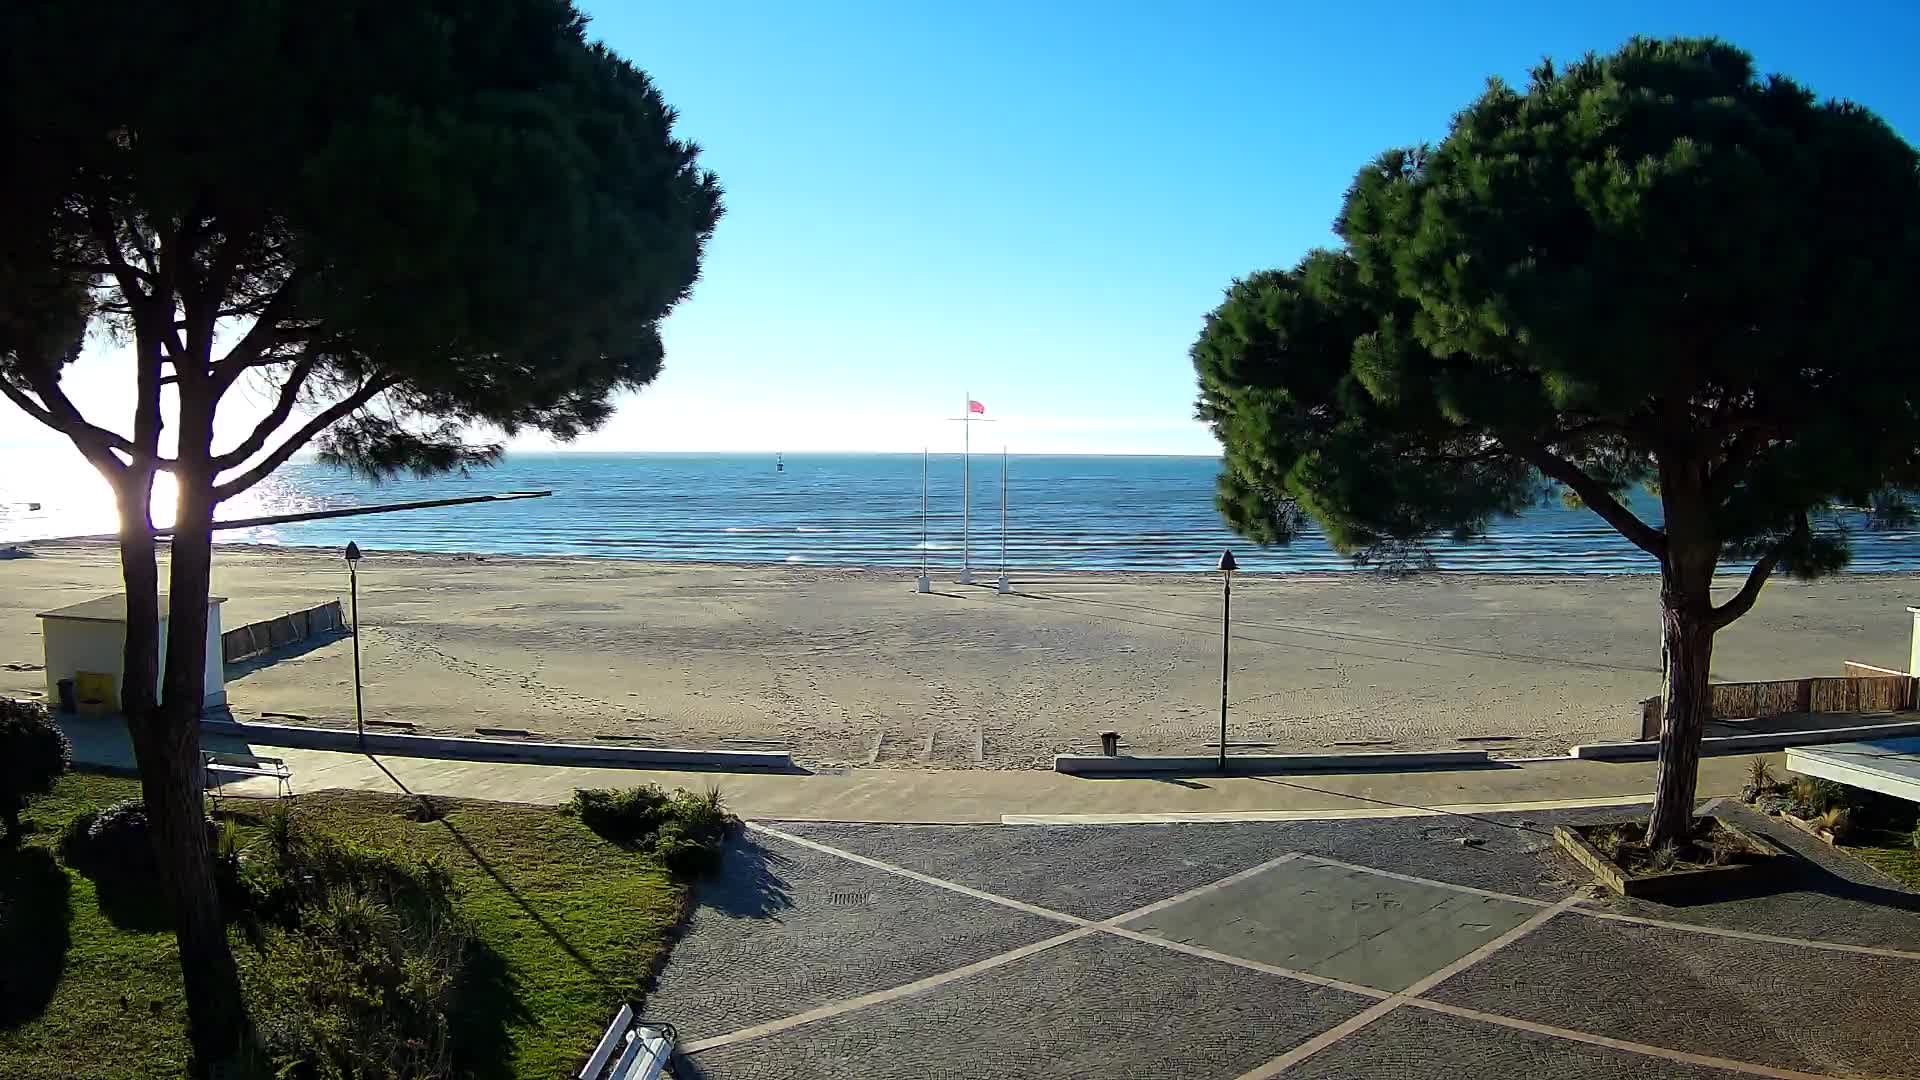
68 703
1110 743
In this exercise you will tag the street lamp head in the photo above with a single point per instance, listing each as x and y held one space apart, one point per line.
1227 564
353 552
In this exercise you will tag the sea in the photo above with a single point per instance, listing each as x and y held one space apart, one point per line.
846 510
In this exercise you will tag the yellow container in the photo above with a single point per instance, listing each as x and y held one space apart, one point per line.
94 689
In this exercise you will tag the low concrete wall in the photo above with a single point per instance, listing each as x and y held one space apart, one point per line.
1101 764
512 750
1746 744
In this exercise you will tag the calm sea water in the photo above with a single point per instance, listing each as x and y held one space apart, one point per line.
1114 513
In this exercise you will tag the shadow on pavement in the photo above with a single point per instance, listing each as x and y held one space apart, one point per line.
749 885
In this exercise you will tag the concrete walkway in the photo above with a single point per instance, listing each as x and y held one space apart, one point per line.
956 796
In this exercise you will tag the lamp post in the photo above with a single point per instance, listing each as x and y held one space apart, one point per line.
1227 567
353 578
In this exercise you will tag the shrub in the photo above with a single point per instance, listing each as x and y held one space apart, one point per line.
628 818
357 973
1813 795
1837 821
34 752
116 842
685 831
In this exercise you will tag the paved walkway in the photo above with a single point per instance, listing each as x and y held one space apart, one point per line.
973 795
1390 949
1413 926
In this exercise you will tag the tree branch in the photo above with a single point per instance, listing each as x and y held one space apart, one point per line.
283 408
1742 602
1598 499
1745 447
262 335
58 413
339 409
105 233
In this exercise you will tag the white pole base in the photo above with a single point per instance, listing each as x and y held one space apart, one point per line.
1004 586
966 577
924 585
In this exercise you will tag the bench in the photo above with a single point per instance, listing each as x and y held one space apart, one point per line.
218 766
645 1047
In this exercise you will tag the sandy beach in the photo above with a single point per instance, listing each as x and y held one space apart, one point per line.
845 665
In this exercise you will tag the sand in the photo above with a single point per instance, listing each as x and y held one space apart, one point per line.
843 666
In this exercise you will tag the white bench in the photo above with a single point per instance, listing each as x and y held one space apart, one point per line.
217 766
645 1047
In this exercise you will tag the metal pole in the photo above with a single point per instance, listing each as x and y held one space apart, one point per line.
966 483
1003 511
1226 642
923 585
359 720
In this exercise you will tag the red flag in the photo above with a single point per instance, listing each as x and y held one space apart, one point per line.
975 407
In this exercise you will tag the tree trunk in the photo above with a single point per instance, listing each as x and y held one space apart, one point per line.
1686 605
171 769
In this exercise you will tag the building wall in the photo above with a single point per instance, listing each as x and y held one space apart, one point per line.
73 645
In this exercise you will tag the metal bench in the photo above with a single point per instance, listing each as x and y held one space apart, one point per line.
249 765
644 1048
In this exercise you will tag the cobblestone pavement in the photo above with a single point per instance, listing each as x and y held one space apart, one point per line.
1450 948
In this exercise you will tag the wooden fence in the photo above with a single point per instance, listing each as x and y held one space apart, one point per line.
253 639
1864 688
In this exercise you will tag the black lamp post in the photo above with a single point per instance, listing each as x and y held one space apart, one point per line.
353 577
1227 567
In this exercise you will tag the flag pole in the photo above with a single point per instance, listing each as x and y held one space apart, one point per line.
923 585
966 482
1004 587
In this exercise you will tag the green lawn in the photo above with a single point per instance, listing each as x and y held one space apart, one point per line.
570 925
1893 854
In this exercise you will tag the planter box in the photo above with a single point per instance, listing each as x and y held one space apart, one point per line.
1694 883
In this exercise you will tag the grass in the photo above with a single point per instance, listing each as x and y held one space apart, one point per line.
1891 853
571 925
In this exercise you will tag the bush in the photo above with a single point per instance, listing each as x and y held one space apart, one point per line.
685 831
34 752
115 842
1813 796
359 964
628 818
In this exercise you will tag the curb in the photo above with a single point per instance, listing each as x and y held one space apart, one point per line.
1103 765
498 750
1738 744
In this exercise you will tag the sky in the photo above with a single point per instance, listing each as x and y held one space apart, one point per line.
1036 203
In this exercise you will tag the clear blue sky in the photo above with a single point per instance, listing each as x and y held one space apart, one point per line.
1037 202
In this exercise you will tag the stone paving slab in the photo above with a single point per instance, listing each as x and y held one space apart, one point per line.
782 929
1099 871
1096 1006
1095 872
1777 1005
1340 923
1414 1044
